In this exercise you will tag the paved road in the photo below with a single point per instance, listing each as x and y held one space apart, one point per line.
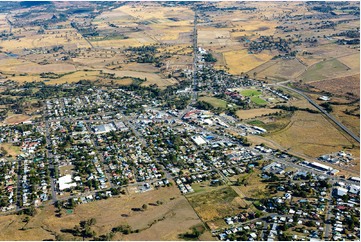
49 156
339 124
194 85
18 187
328 226
99 154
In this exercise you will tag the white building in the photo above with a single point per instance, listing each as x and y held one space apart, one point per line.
65 182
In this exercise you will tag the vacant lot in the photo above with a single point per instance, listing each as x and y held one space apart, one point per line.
252 187
11 149
16 119
253 113
214 205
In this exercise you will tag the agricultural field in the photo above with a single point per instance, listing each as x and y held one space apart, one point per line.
240 62
340 85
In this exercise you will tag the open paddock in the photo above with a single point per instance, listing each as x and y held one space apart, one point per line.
350 121
75 77
173 217
352 61
311 134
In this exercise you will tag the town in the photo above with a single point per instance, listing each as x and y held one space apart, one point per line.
179 121
107 142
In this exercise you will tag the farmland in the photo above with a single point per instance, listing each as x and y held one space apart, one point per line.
340 85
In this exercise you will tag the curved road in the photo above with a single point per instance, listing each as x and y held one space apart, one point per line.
339 124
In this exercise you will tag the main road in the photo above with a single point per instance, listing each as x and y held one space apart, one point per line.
194 84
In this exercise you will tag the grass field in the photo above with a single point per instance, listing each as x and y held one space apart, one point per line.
75 77
352 122
151 78
215 102
251 93
271 124
254 189
324 70
258 101
254 95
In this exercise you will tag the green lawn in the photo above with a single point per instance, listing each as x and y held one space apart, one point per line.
256 122
258 101
215 102
250 93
